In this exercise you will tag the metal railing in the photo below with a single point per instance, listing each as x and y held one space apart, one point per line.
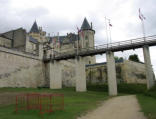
120 44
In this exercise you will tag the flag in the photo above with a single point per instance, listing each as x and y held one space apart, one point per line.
141 16
109 23
80 32
78 29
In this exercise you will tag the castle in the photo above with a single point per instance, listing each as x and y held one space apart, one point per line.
27 50
29 42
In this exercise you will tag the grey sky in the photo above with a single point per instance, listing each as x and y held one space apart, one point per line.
64 15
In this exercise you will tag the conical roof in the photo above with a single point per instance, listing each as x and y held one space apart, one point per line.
85 25
34 28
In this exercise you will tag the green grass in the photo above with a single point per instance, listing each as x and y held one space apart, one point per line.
148 106
151 92
75 104
147 101
78 103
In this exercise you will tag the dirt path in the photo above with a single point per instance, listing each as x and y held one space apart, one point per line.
122 107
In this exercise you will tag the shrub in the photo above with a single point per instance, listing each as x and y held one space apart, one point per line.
151 92
126 89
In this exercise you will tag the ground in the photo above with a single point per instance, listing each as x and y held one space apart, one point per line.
122 107
84 105
76 103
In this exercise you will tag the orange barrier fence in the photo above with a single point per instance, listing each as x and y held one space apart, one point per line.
42 102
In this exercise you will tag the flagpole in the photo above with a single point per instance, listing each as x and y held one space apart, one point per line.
143 29
78 42
106 29
110 32
142 18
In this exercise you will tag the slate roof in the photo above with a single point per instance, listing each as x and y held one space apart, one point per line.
85 25
34 28
9 37
33 40
65 39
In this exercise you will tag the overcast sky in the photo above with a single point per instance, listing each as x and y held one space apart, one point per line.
64 15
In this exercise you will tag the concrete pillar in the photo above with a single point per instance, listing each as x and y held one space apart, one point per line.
148 66
80 74
111 73
55 75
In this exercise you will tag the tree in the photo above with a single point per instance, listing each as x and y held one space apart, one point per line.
134 58
118 58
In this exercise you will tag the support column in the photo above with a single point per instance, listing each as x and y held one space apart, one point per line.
148 66
80 74
55 75
40 50
111 73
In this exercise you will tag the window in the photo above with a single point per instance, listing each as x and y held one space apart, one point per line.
86 37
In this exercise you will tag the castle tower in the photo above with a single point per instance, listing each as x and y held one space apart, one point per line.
86 36
37 33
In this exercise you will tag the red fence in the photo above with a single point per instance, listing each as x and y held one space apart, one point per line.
42 102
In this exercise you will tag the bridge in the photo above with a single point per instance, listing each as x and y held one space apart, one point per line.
109 49
101 49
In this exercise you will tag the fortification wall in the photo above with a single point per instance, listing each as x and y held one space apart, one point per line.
133 72
68 73
18 69
127 71
5 42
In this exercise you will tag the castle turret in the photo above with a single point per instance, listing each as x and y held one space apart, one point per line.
34 28
37 33
86 36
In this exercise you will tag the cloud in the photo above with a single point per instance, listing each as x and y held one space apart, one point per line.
32 13
64 16
4 2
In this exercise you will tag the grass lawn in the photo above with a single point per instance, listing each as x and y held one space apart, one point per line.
75 104
148 106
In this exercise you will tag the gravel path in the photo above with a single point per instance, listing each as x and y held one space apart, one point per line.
122 107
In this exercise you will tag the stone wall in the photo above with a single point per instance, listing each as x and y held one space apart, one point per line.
31 47
133 72
20 70
5 42
68 73
126 71
18 36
